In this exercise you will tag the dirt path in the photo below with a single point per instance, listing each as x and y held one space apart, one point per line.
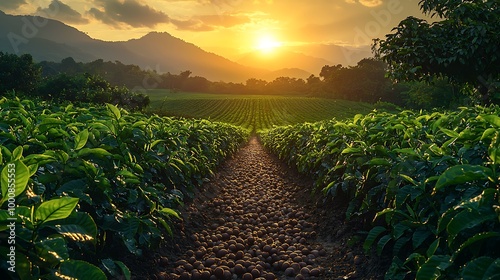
256 219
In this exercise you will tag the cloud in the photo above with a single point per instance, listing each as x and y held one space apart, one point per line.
129 12
191 25
367 3
11 4
223 20
371 3
60 11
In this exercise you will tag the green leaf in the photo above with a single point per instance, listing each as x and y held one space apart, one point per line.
351 150
55 209
52 250
17 153
15 176
481 268
372 236
170 212
432 268
450 133
461 174
382 242
467 218
81 270
492 119
432 248
409 179
419 236
494 154
488 132
81 139
379 161
116 268
476 238
399 244
125 271
78 226
113 109
93 151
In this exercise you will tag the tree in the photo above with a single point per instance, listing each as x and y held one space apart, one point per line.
463 45
18 73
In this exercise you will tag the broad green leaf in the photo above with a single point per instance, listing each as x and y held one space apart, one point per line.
494 154
488 132
476 238
78 226
379 161
481 268
15 176
166 226
492 119
351 150
449 133
399 244
55 209
461 174
372 236
125 271
382 243
17 153
409 179
432 248
93 151
113 109
81 270
156 142
81 139
433 267
419 236
52 250
467 218
170 212
116 268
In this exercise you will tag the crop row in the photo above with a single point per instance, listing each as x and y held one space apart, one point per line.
81 182
429 181
257 114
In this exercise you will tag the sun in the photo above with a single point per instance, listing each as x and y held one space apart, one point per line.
267 44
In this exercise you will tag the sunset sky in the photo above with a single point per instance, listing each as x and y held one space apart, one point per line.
228 27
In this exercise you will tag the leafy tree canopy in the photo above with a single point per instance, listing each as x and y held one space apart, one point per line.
463 44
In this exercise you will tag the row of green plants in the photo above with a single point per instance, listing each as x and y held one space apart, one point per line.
259 113
87 186
426 182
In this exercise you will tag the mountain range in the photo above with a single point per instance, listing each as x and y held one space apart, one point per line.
51 40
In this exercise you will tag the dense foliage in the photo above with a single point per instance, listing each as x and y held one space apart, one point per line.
19 75
430 181
461 45
91 184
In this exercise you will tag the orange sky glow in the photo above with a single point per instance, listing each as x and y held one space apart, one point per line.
228 27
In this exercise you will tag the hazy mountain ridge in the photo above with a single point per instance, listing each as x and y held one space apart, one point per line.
52 40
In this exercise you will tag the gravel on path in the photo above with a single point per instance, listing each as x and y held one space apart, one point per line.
254 221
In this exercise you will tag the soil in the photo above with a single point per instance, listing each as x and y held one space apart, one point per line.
258 219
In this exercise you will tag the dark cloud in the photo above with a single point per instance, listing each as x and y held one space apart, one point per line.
129 12
11 4
223 20
60 11
191 25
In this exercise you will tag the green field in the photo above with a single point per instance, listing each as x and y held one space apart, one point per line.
253 112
